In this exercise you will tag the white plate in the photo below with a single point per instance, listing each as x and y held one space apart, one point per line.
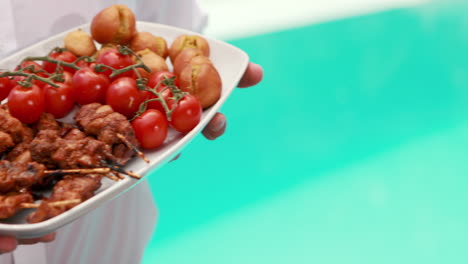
230 62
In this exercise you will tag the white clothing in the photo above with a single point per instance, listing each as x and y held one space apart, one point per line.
118 231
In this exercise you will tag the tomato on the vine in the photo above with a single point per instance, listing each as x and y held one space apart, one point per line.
150 128
113 58
5 87
58 101
65 56
124 96
153 81
68 77
36 69
187 114
89 86
156 104
26 103
157 77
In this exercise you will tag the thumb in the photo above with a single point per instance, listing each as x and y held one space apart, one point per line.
7 244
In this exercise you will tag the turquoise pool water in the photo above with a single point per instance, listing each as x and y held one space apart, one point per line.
352 150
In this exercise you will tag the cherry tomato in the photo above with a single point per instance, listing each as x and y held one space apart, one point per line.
65 56
187 114
36 70
153 81
58 101
166 94
113 58
5 87
89 86
157 77
124 97
150 129
68 77
26 104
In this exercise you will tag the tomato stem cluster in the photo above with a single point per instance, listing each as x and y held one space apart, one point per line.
31 75
115 72
49 59
169 84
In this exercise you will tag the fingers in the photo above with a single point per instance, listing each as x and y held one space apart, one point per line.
175 158
215 127
28 241
7 244
252 75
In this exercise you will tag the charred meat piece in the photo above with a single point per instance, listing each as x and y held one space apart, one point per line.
46 122
74 134
11 126
19 152
17 176
6 142
81 153
10 203
103 123
43 146
21 148
70 188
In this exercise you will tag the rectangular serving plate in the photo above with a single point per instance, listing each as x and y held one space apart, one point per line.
230 62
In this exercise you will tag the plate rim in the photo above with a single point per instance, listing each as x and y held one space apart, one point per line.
26 230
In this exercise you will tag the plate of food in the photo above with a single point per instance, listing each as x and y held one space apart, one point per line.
90 112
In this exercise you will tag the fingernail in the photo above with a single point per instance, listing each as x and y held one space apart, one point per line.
217 126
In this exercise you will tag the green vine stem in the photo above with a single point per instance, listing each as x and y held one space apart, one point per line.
176 92
115 72
49 59
29 77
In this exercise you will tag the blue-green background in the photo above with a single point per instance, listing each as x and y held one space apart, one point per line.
352 150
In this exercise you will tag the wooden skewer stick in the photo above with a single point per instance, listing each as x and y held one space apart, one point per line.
29 205
79 171
58 203
118 175
129 173
130 145
112 177
133 175
118 168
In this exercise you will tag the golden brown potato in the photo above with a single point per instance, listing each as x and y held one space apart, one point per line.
188 41
153 61
202 81
79 43
184 58
114 24
104 48
146 40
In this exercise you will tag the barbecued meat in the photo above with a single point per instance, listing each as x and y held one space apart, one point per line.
81 153
70 188
10 203
6 142
74 134
48 144
17 176
46 122
43 146
11 126
101 121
